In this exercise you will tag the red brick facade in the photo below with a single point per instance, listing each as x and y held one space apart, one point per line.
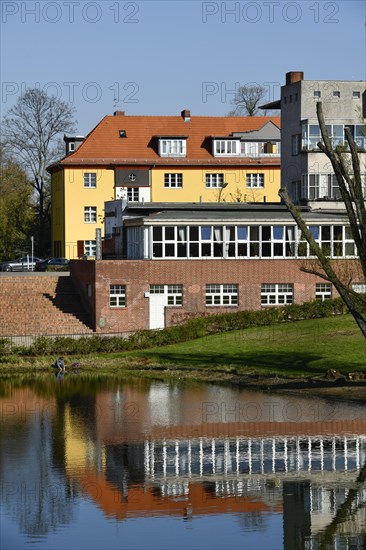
138 275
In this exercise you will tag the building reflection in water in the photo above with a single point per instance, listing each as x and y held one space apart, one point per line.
181 457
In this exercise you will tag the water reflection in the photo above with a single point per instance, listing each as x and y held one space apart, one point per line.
148 449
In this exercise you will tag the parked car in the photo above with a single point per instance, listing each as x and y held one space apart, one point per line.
52 264
24 263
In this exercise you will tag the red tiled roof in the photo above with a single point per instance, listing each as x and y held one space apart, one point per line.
104 146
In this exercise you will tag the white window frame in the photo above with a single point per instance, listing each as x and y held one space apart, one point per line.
323 291
90 248
247 241
214 181
222 295
174 294
157 289
172 147
277 294
90 214
133 194
117 296
255 181
173 180
359 287
226 148
90 180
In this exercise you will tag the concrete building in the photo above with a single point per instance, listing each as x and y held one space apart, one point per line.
305 171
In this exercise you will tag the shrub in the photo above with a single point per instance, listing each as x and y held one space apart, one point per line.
195 327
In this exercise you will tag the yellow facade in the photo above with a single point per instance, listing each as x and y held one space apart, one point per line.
70 198
194 188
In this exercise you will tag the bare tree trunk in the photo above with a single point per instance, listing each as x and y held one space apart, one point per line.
349 297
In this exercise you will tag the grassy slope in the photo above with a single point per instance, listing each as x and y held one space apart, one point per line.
303 348
291 349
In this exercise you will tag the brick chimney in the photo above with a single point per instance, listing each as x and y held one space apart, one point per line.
294 76
186 115
119 113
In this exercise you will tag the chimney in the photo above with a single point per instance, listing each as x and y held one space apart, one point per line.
119 113
186 115
294 76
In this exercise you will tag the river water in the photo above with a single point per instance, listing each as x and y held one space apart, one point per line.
108 464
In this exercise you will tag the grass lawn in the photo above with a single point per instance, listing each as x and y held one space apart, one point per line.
307 348
296 350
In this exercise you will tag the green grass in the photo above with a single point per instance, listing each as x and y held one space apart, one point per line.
304 348
290 349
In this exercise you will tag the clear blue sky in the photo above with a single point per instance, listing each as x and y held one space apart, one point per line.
159 57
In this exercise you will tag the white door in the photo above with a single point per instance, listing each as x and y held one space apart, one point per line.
157 309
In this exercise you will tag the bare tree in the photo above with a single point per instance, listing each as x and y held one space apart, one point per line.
346 166
246 100
31 130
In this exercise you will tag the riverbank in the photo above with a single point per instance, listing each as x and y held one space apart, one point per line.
323 357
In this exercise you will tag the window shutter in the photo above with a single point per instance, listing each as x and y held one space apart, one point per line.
81 249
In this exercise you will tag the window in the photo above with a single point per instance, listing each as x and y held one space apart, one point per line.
90 179
276 294
156 289
174 293
323 291
226 147
311 135
214 180
133 194
132 177
336 93
255 180
117 296
90 248
359 287
71 147
317 93
317 186
295 143
221 295
172 147
90 214
173 180
356 95
360 135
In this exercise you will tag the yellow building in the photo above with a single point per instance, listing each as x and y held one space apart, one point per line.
160 159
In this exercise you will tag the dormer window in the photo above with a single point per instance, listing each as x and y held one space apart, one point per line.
226 147
173 147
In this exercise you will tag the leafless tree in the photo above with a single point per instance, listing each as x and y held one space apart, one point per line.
246 100
31 130
346 166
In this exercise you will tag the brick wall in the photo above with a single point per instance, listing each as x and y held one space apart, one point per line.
137 275
40 305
